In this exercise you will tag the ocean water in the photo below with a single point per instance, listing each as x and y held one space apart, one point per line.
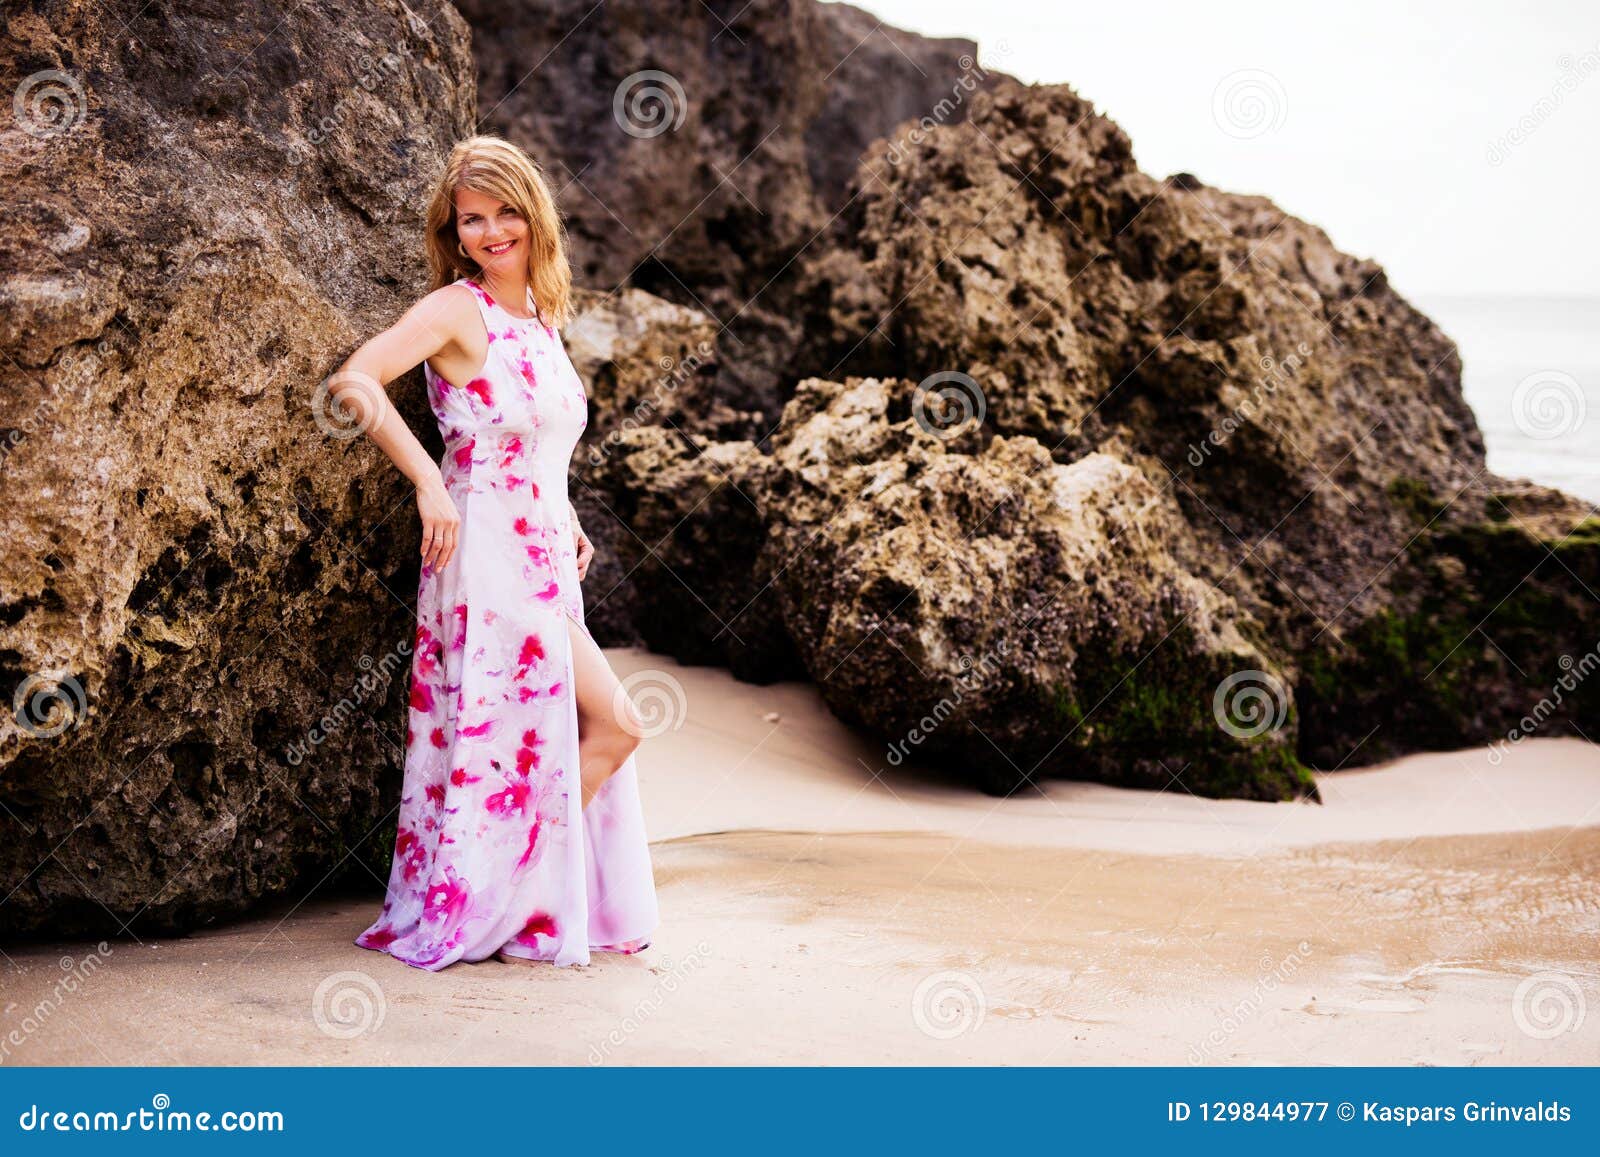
1531 373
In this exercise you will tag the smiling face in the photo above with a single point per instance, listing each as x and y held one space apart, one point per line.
494 233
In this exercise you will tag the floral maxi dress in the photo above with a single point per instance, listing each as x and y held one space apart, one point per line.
495 851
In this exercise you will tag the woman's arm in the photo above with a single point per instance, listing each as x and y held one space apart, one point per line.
428 327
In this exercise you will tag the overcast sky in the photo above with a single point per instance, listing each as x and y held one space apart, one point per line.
1412 132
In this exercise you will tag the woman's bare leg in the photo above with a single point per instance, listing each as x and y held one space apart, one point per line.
604 740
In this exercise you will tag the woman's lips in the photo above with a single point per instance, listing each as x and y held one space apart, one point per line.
500 248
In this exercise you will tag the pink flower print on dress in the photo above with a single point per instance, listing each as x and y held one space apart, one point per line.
532 651
464 453
421 696
511 801
539 924
448 899
528 754
429 652
482 390
483 730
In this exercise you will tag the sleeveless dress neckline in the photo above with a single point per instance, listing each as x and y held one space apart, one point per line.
494 851
494 303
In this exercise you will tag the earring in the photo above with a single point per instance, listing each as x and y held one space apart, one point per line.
462 249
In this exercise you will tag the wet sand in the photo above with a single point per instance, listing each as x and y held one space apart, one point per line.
821 908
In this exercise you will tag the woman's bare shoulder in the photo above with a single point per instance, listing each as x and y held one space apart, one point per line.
449 311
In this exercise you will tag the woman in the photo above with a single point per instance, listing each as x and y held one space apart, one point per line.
520 830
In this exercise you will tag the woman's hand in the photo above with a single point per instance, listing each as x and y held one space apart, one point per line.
581 543
440 523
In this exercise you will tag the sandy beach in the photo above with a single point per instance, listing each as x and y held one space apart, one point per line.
820 908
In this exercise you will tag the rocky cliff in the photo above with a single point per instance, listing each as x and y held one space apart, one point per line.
905 379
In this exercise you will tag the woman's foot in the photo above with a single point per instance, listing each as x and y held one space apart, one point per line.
507 958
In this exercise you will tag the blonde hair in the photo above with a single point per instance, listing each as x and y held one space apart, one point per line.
497 168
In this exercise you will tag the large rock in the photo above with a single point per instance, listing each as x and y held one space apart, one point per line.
205 598
975 602
700 148
1291 403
